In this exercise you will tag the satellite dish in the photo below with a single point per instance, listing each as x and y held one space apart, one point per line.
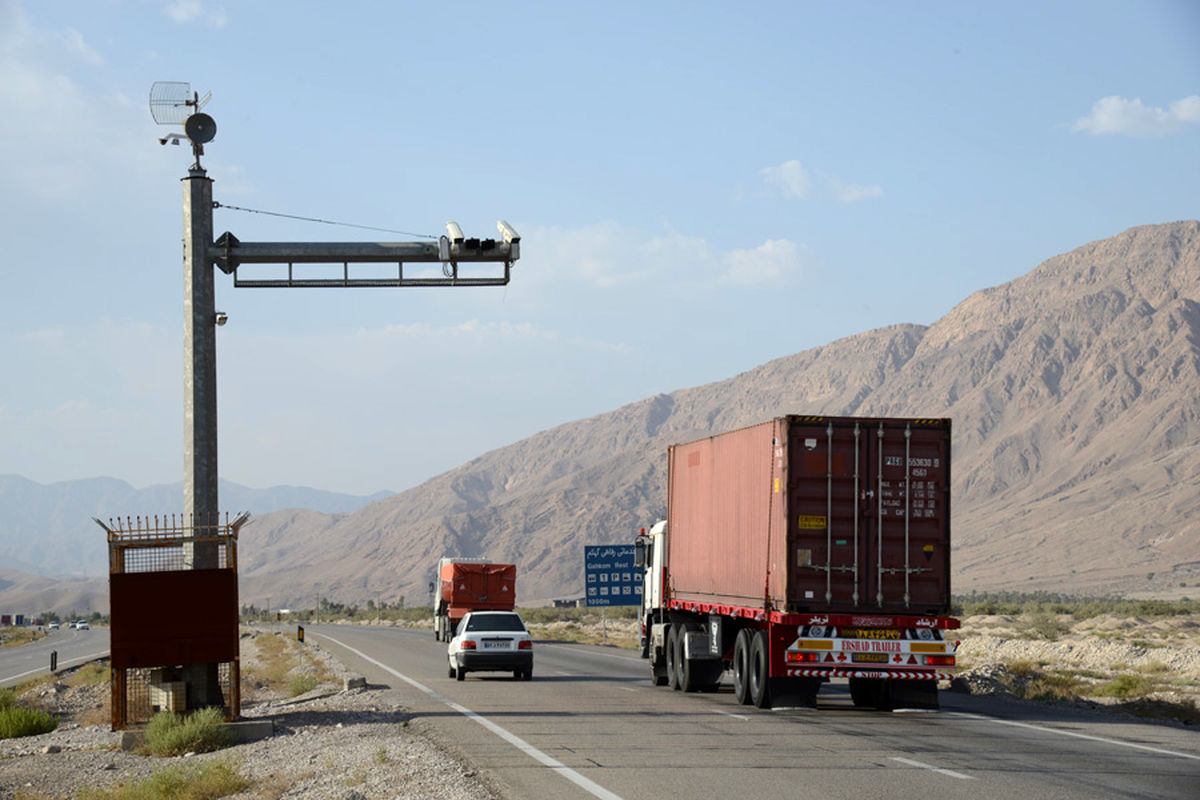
200 128
171 102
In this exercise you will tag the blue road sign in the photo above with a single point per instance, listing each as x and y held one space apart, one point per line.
610 578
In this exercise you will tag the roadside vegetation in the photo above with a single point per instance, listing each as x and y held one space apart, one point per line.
283 665
201 731
1081 608
18 720
1136 656
15 637
200 781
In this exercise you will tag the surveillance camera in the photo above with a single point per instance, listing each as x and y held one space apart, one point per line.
510 235
221 318
454 232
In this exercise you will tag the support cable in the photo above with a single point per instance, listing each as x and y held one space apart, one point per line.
322 221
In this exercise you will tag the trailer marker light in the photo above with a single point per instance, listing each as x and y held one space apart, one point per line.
813 644
940 661
793 655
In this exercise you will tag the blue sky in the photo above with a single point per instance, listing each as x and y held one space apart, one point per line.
701 187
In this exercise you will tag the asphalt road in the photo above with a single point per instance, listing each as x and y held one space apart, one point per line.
590 724
73 647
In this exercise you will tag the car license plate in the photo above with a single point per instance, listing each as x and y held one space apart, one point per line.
495 645
870 658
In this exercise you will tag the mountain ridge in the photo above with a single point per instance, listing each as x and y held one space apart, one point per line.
1075 395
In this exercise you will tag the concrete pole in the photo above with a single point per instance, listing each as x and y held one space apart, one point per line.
199 369
199 407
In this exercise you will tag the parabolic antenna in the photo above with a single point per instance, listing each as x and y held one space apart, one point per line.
200 128
171 102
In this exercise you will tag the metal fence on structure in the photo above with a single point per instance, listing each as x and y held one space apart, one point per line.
174 616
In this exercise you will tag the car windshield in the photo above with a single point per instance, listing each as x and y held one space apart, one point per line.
495 622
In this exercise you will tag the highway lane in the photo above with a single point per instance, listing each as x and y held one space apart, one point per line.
31 660
591 725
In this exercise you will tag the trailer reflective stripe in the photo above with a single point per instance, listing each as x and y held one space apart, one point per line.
842 672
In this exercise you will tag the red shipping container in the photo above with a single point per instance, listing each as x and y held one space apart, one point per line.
814 515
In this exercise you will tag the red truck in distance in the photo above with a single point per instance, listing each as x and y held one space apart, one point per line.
803 550
467 584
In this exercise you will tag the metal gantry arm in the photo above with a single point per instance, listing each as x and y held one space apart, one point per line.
228 253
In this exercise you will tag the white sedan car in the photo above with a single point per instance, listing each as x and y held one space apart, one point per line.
491 641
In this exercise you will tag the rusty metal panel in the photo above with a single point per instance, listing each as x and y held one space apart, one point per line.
173 617
719 518
869 515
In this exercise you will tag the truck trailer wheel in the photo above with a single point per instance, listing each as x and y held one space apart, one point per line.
760 670
741 667
673 657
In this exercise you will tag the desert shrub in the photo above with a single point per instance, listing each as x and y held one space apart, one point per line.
1046 625
1051 687
8 698
304 682
207 781
1021 668
16 721
1124 685
90 674
169 734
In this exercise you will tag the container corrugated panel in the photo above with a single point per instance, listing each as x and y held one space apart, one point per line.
869 515
814 514
719 517
479 587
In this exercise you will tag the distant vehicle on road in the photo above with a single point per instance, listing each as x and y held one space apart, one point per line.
491 641
470 584
82 625
53 626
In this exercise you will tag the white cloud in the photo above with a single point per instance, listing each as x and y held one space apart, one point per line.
846 192
1116 116
774 262
790 177
186 11
611 258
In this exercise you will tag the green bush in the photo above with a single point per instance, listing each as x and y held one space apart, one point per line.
299 684
16 721
208 781
8 698
169 734
1126 685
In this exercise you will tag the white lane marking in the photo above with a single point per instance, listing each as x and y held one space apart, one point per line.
728 714
61 666
516 741
1089 737
922 765
627 689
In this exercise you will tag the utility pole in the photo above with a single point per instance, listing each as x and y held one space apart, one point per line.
174 104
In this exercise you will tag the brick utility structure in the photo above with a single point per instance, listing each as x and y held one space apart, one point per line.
174 625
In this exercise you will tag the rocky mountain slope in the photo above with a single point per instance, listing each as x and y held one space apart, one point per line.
1075 395
47 529
1074 390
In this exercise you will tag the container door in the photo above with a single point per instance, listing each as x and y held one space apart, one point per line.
869 515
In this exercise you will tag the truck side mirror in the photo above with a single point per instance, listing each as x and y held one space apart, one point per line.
639 553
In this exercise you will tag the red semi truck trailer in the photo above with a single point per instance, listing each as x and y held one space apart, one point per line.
467 584
801 550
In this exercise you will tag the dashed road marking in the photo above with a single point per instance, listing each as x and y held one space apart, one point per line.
562 769
938 770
